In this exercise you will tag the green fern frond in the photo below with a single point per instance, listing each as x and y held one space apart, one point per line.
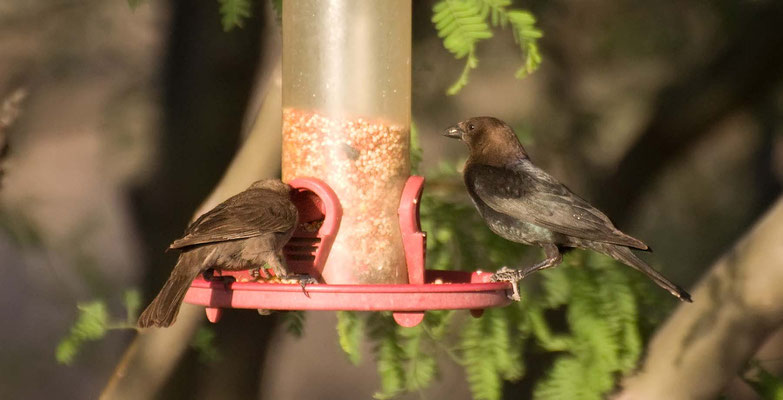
91 325
497 11
294 322
350 330
526 36
603 339
420 365
234 13
541 331
461 24
490 354
438 322
564 381
766 385
557 287
480 367
388 355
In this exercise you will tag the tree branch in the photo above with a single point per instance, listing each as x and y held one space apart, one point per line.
737 305
151 357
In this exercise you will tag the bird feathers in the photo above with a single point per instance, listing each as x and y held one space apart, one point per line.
250 213
529 194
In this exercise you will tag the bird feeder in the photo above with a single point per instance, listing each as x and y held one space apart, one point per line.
346 138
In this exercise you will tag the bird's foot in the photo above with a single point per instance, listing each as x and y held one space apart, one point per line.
302 279
259 273
209 276
512 276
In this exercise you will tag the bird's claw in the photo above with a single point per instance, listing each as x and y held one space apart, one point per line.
512 276
209 276
302 279
259 273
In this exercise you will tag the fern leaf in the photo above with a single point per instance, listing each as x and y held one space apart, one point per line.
497 11
294 322
542 333
91 324
388 355
765 384
526 35
420 365
557 286
350 330
461 24
480 368
490 354
564 381
438 322
234 13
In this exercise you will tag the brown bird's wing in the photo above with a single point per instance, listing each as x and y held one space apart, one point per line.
250 213
528 193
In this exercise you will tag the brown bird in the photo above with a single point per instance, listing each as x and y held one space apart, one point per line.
522 203
243 232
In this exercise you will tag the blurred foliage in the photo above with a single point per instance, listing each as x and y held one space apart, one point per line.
233 13
415 149
204 344
462 24
583 314
294 322
350 330
134 4
20 228
92 324
765 384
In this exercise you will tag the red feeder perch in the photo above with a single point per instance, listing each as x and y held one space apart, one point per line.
307 252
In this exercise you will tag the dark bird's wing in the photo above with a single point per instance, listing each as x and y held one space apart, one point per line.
250 213
529 194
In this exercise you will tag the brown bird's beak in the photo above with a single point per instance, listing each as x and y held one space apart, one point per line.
454 132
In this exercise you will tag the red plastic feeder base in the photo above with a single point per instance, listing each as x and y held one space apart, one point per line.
427 290
453 290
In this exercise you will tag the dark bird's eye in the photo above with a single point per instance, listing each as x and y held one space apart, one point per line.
471 127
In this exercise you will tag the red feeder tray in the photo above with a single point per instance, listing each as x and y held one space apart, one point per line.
307 250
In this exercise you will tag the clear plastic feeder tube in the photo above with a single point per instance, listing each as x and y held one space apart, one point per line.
346 119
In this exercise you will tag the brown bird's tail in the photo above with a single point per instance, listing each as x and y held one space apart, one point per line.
626 256
164 308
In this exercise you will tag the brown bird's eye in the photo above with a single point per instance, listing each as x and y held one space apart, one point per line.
471 127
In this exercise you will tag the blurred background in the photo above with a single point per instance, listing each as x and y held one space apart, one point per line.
119 122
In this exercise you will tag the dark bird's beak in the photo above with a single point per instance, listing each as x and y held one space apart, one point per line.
454 132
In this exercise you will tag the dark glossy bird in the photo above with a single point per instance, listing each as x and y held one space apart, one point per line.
522 203
244 232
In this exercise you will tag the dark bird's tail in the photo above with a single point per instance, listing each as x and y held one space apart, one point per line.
626 256
164 308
